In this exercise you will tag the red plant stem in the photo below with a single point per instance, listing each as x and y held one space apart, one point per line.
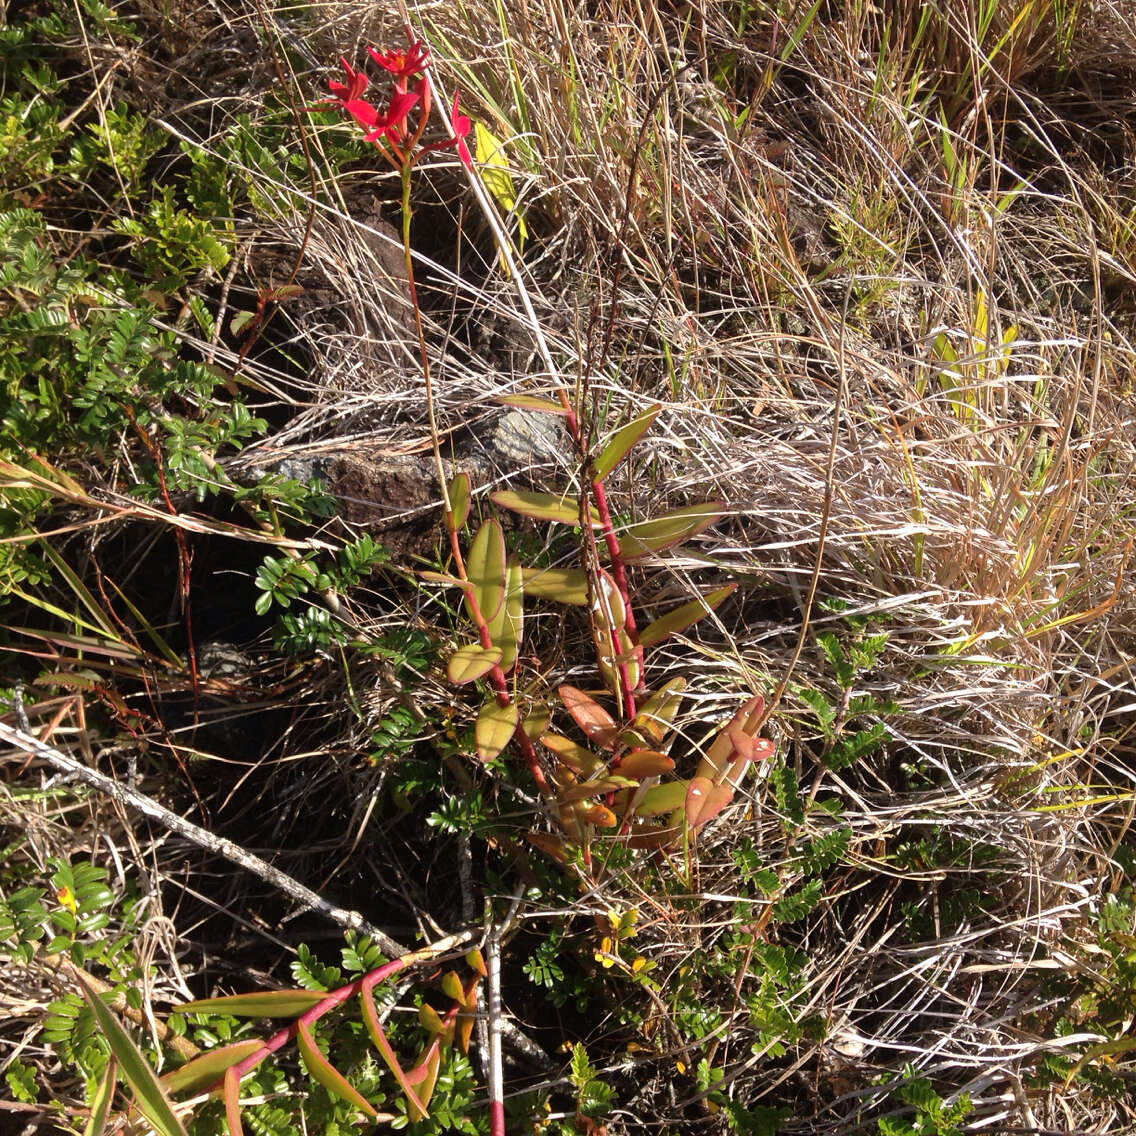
618 568
309 1017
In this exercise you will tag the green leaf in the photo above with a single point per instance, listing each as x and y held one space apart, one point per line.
531 402
485 567
266 1004
506 627
152 1102
612 454
327 1075
471 662
209 1068
596 788
459 499
578 758
662 799
100 1102
545 507
495 727
566 585
683 616
671 528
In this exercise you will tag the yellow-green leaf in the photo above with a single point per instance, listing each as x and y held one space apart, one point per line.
671 528
532 402
657 714
471 662
662 799
565 585
147 1092
459 499
683 616
485 567
536 722
506 626
495 727
578 758
594 788
490 153
327 1075
545 507
209 1068
452 987
266 1004
622 441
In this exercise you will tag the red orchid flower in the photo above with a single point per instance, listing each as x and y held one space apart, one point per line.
391 125
353 89
402 64
461 125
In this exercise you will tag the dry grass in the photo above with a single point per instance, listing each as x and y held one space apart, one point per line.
770 222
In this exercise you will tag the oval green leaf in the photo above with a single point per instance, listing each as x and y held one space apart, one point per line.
671 528
209 1068
459 499
485 566
545 507
148 1094
267 1004
327 1075
662 799
622 441
683 616
471 662
578 758
565 585
495 727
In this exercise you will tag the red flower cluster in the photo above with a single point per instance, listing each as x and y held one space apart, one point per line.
409 71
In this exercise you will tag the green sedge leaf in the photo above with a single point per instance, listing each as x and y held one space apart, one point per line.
327 1075
100 1102
148 1095
459 499
645 763
683 616
209 1068
546 507
662 799
598 725
671 528
578 758
622 441
471 662
565 585
532 402
266 1004
506 627
379 1039
485 567
494 729
705 800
